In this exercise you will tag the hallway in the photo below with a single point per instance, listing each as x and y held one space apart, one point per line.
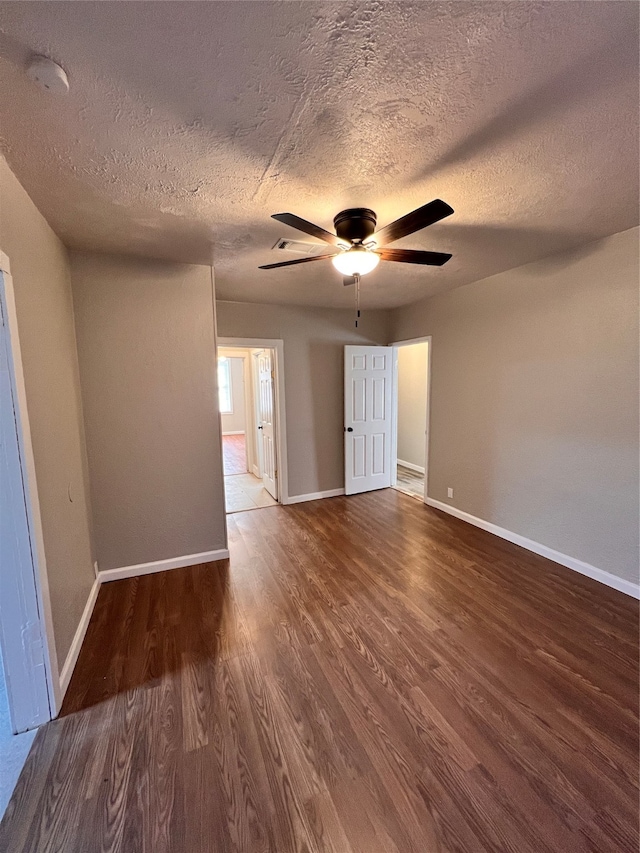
243 490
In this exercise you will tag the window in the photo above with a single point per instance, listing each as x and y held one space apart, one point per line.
224 386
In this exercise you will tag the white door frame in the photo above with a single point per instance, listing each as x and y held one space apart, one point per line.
30 659
257 469
249 428
249 419
266 426
394 427
277 345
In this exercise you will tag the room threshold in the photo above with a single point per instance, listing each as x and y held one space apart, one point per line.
410 483
245 492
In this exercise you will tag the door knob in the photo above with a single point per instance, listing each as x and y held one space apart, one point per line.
349 429
259 427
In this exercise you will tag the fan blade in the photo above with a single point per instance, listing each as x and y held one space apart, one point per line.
409 256
297 261
308 228
426 215
347 280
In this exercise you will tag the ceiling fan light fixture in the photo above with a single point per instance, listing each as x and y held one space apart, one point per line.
356 261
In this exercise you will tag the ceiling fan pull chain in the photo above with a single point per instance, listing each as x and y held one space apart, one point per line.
357 283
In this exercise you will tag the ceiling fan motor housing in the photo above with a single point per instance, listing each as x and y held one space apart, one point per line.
355 225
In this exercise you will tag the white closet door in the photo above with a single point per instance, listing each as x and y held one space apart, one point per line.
266 426
368 375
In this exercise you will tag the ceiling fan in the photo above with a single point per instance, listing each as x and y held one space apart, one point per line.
361 247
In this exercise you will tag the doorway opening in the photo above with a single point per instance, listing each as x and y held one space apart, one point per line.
251 433
411 417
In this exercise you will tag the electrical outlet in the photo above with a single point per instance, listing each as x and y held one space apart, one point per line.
449 492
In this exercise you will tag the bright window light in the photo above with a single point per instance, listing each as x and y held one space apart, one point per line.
225 396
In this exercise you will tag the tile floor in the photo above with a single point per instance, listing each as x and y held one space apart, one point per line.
244 491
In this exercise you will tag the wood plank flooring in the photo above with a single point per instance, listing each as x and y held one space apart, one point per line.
410 482
365 675
234 454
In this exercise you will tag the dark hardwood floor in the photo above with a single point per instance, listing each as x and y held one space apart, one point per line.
365 675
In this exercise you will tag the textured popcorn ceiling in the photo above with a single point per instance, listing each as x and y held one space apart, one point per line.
188 124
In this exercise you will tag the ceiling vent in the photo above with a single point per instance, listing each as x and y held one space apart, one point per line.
298 247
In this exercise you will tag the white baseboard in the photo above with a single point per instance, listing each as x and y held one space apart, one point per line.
162 565
410 466
600 575
78 638
117 574
314 496
234 432
256 472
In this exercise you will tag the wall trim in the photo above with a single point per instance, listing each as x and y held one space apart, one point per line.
118 574
411 466
276 344
233 432
78 638
409 341
314 496
162 565
427 339
622 585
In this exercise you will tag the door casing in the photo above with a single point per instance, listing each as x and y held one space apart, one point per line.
266 428
277 346
245 356
394 410
29 652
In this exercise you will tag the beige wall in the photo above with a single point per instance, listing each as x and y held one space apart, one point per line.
534 400
412 403
314 340
147 366
40 271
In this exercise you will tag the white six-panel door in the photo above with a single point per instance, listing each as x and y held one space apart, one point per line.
266 426
368 375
